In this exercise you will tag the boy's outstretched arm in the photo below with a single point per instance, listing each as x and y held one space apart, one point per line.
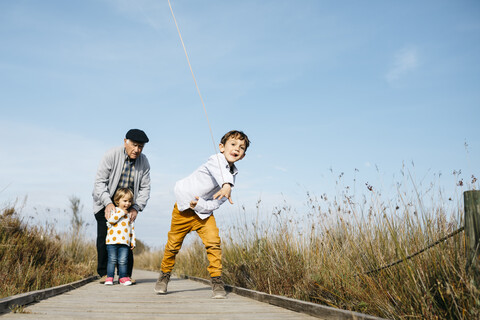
193 203
205 207
225 191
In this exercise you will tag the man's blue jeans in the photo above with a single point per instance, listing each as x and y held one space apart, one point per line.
117 254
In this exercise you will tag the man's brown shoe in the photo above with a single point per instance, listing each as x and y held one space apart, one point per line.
102 279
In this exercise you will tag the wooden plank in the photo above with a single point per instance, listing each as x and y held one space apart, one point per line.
25 298
313 309
186 299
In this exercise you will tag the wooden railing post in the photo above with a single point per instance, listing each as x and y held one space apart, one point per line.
471 201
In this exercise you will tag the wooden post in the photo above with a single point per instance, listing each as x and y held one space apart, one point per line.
471 201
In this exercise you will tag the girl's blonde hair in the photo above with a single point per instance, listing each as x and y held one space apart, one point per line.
121 192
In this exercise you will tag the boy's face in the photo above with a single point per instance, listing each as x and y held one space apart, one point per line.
125 203
233 150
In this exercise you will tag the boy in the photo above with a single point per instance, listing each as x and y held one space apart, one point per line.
198 195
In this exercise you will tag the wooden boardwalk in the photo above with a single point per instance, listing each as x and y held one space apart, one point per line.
186 299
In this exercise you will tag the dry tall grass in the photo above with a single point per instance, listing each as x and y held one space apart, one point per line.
324 254
33 258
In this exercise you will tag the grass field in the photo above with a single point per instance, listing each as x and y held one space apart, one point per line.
324 255
33 258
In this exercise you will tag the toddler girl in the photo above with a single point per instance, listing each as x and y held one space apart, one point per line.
120 237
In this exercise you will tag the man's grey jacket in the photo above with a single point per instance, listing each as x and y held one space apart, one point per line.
108 176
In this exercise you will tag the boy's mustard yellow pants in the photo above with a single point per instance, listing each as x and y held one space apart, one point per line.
182 223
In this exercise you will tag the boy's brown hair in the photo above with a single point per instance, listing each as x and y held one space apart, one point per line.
235 134
121 192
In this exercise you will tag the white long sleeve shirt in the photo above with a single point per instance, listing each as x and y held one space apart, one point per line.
204 182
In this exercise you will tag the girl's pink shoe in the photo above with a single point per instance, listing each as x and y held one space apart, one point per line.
109 281
125 281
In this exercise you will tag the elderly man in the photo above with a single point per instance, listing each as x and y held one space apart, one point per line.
121 167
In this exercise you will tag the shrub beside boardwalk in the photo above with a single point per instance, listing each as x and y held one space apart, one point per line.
34 258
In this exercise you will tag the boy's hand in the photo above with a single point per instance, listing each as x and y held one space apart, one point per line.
226 192
193 203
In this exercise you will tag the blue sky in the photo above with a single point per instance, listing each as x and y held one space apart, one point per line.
320 87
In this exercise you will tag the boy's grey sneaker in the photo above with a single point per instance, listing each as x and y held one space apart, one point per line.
218 290
162 283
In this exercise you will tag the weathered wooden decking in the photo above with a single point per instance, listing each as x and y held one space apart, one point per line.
186 299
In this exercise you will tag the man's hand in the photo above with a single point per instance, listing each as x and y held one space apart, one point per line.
193 203
108 210
226 192
133 214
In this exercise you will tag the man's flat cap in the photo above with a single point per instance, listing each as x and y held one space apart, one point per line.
136 135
